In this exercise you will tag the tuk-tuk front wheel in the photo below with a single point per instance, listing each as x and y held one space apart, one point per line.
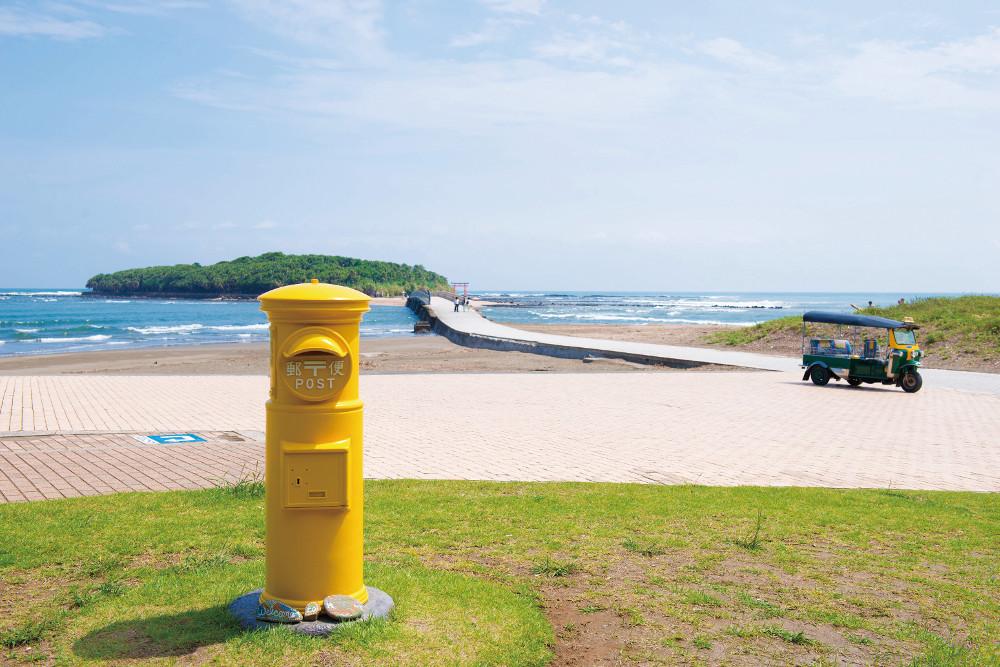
819 375
911 382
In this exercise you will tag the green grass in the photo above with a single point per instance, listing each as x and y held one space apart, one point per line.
554 568
967 324
747 335
476 569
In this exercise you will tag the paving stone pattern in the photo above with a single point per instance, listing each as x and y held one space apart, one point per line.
671 428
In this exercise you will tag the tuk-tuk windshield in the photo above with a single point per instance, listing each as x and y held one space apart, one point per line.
904 336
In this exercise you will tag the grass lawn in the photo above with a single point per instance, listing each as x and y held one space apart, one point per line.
519 574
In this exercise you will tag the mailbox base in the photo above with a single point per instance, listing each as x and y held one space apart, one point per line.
244 608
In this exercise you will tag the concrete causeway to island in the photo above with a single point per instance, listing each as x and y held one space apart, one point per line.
470 329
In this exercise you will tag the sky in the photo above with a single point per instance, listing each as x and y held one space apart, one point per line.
514 144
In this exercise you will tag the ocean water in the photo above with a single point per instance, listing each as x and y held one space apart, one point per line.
646 308
42 321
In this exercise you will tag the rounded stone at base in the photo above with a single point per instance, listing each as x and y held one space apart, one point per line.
244 608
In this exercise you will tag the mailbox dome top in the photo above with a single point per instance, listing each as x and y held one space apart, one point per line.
314 292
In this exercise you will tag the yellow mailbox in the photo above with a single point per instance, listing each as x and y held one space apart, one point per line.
313 471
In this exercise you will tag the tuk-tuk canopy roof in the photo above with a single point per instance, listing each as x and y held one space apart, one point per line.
856 320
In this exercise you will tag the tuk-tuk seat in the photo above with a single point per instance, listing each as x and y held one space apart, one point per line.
830 346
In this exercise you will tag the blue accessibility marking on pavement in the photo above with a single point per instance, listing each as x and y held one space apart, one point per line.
170 439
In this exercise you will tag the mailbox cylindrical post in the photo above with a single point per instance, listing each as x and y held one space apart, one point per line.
313 459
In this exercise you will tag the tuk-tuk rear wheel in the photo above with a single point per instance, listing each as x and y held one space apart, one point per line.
854 382
819 375
911 382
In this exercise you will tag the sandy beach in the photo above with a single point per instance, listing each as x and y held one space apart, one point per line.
688 335
404 354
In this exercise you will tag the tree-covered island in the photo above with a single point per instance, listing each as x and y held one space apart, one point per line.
248 277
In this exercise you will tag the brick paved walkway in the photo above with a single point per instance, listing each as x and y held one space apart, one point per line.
60 466
705 428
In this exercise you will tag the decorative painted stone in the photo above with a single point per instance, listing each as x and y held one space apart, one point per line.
342 607
276 611
311 612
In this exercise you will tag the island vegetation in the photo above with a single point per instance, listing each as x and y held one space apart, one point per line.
249 277
955 332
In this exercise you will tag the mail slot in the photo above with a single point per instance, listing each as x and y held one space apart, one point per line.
313 457
316 475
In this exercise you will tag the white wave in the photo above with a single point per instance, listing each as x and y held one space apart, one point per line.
27 330
119 342
47 300
748 304
97 326
1 342
622 318
177 328
553 316
80 339
55 293
732 305
720 323
239 327
117 301
244 335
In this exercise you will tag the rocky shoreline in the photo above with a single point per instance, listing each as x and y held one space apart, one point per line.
208 296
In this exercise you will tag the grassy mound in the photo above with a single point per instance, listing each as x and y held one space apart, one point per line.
748 335
962 329
650 574
951 326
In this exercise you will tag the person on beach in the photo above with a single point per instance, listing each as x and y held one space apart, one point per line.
457 302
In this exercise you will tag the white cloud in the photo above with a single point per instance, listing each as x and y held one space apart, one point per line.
515 6
588 48
144 7
72 20
463 97
350 26
959 74
590 73
592 39
17 22
732 52
494 30
265 224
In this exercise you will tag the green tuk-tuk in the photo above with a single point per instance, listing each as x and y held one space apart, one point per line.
862 356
